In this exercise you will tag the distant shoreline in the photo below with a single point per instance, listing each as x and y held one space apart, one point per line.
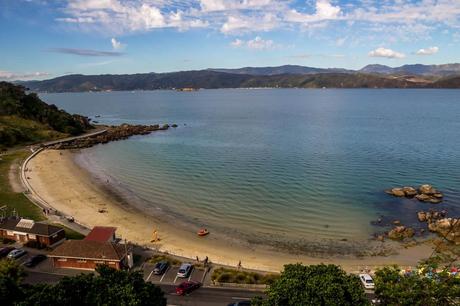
70 189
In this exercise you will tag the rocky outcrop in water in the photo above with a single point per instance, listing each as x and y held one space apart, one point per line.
401 232
425 193
449 228
113 133
431 216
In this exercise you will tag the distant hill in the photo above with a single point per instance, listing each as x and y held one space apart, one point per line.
417 69
24 118
213 79
286 69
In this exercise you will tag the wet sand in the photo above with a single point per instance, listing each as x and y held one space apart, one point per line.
68 188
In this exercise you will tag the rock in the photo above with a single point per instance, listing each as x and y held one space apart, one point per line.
397 222
433 200
174 125
423 197
410 192
421 216
401 232
398 192
449 228
427 189
438 195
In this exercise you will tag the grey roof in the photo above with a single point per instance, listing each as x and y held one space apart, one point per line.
38 228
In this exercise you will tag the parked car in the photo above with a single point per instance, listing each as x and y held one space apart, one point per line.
15 254
160 267
184 270
5 251
367 281
241 303
34 260
187 287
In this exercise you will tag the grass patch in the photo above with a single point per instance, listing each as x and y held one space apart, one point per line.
158 257
225 275
16 201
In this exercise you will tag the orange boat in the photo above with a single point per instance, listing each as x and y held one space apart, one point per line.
203 232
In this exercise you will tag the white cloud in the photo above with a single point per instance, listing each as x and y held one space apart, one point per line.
428 51
256 44
224 5
388 53
13 76
241 24
117 45
324 11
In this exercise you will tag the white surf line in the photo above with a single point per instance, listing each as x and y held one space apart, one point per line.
150 275
163 276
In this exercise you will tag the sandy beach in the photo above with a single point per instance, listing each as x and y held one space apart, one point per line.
68 188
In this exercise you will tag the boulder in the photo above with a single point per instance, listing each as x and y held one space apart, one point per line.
427 189
449 228
401 232
423 197
410 191
422 216
398 192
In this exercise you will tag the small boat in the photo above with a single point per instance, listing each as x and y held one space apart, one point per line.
202 232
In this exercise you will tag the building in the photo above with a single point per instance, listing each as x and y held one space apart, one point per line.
102 234
88 254
25 230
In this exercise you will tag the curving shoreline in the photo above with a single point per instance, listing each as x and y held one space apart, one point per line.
61 183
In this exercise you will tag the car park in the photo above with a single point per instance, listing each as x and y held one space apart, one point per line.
17 253
367 281
160 267
185 270
34 260
187 287
5 251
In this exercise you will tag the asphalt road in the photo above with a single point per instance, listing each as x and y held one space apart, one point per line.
207 296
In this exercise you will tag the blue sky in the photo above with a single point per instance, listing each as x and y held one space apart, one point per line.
42 39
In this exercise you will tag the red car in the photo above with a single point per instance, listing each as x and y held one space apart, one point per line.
187 287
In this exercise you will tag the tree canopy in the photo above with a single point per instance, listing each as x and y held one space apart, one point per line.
395 288
109 287
301 285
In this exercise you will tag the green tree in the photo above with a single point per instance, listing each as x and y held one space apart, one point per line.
314 285
393 288
11 275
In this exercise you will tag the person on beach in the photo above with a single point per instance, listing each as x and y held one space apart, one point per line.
197 260
239 265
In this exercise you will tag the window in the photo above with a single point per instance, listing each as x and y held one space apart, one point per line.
81 261
99 262
10 233
111 263
62 259
31 236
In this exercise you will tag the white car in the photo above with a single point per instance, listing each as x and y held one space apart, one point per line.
184 270
14 254
367 281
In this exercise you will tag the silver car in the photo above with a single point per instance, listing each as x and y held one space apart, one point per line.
15 254
185 270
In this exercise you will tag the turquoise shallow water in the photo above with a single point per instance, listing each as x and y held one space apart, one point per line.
280 164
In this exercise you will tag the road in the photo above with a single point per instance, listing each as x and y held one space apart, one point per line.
202 297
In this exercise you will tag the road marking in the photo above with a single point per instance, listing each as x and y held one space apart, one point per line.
191 273
150 275
175 279
163 276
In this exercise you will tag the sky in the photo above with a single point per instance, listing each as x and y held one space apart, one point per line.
42 39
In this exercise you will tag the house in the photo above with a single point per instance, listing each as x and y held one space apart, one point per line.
102 234
25 230
87 254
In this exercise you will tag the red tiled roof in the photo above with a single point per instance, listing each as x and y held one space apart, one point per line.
101 233
83 249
